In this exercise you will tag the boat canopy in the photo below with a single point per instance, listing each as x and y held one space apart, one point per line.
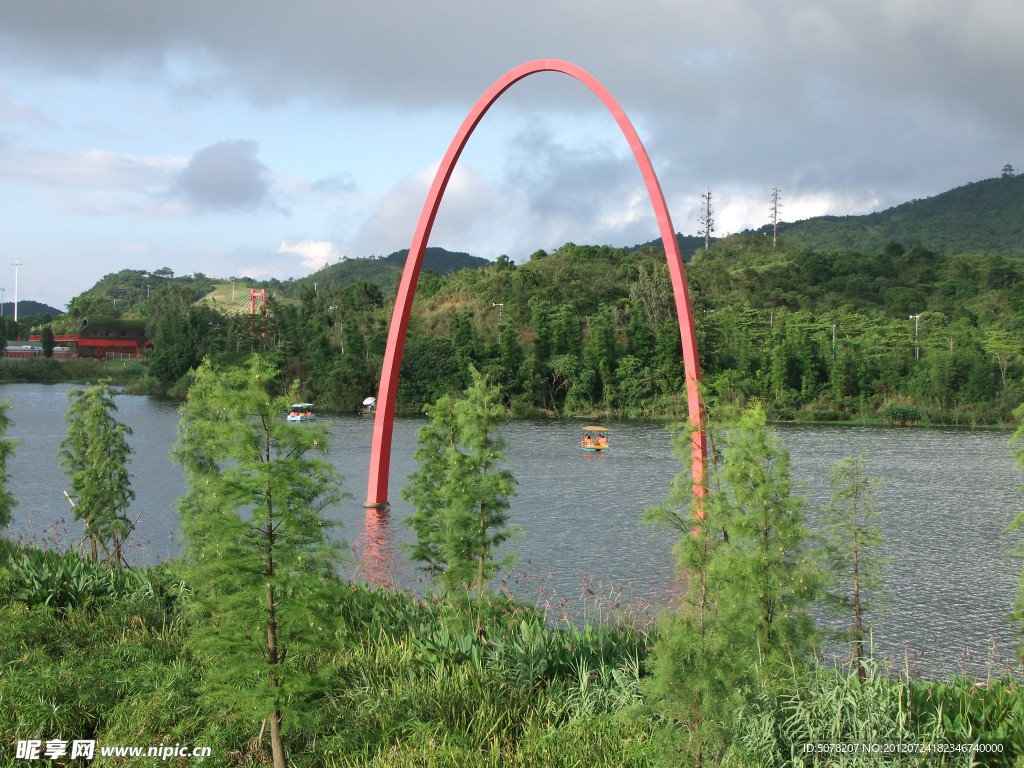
301 405
596 429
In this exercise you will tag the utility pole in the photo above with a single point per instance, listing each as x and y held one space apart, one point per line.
775 215
833 342
16 265
147 293
232 291
1 302
499 306
917 349
706 220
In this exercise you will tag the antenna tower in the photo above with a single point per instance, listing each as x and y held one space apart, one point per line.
706 221
774 213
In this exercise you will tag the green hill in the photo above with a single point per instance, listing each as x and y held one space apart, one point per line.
688 245
981 217
385 271
28 309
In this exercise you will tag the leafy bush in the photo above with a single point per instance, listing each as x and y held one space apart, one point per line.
900 414
42 577
826 706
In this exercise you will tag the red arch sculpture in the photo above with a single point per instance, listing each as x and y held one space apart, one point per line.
380 455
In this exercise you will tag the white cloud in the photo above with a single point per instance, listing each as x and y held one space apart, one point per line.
314 253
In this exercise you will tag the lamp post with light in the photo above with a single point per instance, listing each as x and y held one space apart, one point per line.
917 349
16 265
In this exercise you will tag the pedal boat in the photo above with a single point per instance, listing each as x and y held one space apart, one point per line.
596 444
301 412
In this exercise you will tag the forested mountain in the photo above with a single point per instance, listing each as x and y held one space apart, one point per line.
981 217
688 244
28 309
592 330
384 271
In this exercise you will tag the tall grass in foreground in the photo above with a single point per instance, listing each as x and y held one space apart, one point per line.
410 682
912 722
404 681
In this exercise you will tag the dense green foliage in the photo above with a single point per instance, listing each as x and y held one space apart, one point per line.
981 217
129 292
592 330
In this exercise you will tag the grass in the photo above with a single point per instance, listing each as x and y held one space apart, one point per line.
49 370
409 682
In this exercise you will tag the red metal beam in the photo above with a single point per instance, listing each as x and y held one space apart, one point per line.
380 454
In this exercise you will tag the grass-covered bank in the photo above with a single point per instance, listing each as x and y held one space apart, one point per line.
402 682
90 654
43 369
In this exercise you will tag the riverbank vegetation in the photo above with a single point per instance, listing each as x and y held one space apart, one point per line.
253 645
899 336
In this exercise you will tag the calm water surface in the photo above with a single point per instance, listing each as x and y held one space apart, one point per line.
947 497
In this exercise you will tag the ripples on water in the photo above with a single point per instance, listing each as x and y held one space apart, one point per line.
947 497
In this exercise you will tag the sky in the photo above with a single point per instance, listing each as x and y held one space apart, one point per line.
268 138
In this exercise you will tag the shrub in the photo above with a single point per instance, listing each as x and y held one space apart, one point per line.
900 414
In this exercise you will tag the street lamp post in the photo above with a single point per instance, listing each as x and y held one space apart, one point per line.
16 265
917 349
147 293
1 302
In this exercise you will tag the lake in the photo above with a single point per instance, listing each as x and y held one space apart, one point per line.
947 498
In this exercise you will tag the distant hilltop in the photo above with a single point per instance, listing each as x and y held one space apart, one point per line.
983 217
386 271
29 309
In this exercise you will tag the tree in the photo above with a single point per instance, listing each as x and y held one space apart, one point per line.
543 334
47 341
769 571
7 446
1017 445
1003 348
256 550
95 457
639 332
460 495
749 581
854 568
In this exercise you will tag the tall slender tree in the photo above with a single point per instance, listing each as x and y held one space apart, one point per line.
7 446
1017 445
460 494
748 579
95 456
47 340
854 566
256 550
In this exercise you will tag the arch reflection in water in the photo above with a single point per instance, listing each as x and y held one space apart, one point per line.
377 549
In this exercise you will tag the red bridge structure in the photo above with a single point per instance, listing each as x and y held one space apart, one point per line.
380 456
